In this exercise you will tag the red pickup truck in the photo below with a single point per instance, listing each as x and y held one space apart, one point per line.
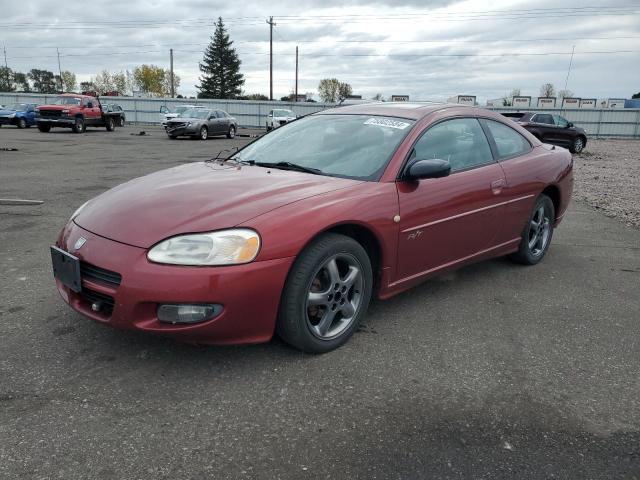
76 112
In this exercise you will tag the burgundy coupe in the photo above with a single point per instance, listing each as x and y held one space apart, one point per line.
295 232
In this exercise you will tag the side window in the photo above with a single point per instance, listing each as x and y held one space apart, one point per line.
461 141
508 142
89 103
543 118
561 122
219 114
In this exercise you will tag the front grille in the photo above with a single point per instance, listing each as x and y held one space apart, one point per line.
50 113
92 297
282 122
101 275
177 124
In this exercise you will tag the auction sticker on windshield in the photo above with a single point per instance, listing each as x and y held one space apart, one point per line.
385 122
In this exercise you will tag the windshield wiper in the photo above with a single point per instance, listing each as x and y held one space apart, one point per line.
290 166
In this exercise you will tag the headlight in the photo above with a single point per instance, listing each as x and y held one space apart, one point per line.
65 112
225 247
13 115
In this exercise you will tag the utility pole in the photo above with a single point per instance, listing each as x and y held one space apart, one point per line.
6 72
60 71
566 82
271 25
173 90
296 97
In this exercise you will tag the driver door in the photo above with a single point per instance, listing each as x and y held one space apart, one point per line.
445 221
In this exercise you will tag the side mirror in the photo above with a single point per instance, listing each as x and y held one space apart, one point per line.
270 115
433 168
211 117
569 125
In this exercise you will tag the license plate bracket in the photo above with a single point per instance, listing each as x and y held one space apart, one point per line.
66 268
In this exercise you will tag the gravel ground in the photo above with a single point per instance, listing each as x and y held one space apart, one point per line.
607 177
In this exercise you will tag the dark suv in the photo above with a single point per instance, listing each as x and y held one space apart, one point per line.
552 129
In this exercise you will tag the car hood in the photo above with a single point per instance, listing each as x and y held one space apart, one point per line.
57 107
4 112
196 197
185 119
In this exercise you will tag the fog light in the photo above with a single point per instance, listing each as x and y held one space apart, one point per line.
188 313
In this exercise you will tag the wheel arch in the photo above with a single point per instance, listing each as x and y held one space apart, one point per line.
366 237
553 192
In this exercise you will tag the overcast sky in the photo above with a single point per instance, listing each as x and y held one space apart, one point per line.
426 49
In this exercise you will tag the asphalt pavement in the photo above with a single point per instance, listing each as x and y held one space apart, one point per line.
497 371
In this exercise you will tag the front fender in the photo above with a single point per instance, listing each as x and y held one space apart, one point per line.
286 231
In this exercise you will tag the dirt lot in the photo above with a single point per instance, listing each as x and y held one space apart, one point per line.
497 371
607 177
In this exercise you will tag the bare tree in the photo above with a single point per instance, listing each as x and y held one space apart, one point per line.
547 90
565 94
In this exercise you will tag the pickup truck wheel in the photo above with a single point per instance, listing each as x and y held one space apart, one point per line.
204 133
232 132
111 124
78 126
22 123
44 128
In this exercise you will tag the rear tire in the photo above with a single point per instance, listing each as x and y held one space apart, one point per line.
110 124
79 126
578 145
121 122
326 294
232 132
22 123
44 128
537 233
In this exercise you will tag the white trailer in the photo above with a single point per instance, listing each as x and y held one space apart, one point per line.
463 99
547 102
570 102
615 103
521 102
588 102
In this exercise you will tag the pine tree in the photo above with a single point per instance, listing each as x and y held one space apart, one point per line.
220 67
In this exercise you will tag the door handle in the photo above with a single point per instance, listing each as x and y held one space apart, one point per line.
496 186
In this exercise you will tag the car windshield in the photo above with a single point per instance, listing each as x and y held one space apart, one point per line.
179 110
18 107
194 113
67 101
283 113
352 146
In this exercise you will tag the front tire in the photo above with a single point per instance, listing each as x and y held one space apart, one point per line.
326 294
44 128
232 132
22 123
537 233
111 124
79 126
204 133
121 122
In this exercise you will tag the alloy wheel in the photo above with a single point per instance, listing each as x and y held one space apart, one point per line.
539 231
578 145
334 296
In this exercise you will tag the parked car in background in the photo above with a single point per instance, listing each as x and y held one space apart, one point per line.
297 231
166 114
76 112
553 129
22 115
278 117
202 123
112 107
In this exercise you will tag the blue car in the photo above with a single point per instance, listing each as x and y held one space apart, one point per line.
20 114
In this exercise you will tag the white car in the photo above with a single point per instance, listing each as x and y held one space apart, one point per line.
279 117
166 114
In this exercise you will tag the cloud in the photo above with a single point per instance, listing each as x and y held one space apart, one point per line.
379 46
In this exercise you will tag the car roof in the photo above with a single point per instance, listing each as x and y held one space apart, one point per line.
410 110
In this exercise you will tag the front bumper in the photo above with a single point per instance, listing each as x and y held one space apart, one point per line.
250 293
56 122
183 130
8 120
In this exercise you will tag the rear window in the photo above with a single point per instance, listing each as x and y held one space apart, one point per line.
508 142
514 115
